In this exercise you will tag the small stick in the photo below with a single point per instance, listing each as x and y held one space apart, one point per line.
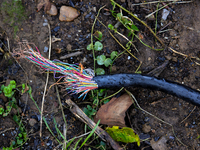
99 131
179 2
47 79
71 55
189 114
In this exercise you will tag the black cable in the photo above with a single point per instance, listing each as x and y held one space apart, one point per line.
138 80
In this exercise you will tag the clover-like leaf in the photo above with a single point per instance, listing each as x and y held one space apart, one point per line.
108 62
101 59
90 46
98 46
113 54
100 71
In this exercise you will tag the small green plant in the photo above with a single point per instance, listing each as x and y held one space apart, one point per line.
14 13
98 46
102 60
9 92
89 111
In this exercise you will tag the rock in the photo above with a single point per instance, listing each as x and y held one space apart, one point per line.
114 69
168 57
160 144
175 59
146 128
32 122
69 47
68 13
53 10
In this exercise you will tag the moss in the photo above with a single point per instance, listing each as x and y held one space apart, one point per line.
14 13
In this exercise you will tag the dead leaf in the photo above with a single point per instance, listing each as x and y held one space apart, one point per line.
45 3
113 112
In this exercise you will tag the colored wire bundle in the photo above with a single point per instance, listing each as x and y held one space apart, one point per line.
77 79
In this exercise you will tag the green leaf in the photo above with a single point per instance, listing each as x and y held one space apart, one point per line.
101 59
1 111
129 34
23 86
106 101
20 135
134 27
2 87
108 62
16 118
119 16
19 141
100 71
113 54
90 46
98 35
125 135
12 82
98 46
111 27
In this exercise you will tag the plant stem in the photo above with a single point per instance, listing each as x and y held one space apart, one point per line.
92 36
139 21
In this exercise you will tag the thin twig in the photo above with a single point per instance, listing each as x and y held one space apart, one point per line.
47 79
189 114
6 130
92 36
142 22
133 97
175 1
63 114
157 10
119 42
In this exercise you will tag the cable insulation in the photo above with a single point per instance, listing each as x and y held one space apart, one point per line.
138 80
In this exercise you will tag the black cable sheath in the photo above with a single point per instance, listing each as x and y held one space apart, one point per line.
138 80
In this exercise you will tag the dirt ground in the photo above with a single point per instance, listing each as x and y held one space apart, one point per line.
181 31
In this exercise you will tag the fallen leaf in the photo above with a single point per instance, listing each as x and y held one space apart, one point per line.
45 3
126 135
113 112
68 13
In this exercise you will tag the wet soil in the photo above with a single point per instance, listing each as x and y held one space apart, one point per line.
181 33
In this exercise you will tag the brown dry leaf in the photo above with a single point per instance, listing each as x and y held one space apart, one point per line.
113 113
45 3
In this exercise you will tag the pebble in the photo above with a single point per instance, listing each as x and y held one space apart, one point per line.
68 13
69 47
53 10
168 57
146 128
32 122
46 49
56 29
114 69
174 59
